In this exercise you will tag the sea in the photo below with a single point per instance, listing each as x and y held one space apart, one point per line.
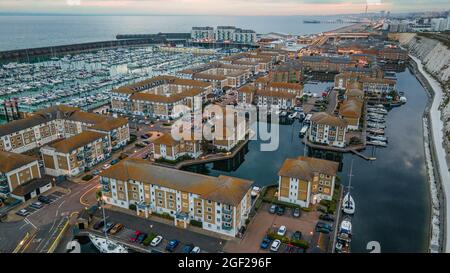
25 31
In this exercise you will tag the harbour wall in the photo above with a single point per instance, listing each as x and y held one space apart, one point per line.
31 54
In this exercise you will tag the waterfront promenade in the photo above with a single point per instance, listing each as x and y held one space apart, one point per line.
437 126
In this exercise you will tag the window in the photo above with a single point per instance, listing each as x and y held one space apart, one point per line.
209 210
159 194
171 197
209 217
209 202
199 203
199 211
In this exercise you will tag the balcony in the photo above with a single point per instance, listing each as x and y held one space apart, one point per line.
104 181
105 188
227 210
224 227
227 219
142 205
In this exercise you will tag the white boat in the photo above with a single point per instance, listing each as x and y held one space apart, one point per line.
283 114
105 245
293 115
348 204
255 191
379 138
304 130
345 230
377 143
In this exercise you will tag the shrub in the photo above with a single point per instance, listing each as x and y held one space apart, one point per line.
149 239
258 203
164 215
196 223
87 177
247 221
132 207
306 209
300 243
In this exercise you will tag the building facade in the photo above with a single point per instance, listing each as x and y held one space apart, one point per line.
327 129
219 204
74 155
305 180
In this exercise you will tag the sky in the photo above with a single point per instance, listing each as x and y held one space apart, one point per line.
219 7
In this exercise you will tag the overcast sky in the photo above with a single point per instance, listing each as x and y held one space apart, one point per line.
219 7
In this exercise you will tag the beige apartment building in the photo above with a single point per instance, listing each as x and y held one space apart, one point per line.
220 204
305 180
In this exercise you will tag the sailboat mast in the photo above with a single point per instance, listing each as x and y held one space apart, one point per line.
104 221
350 177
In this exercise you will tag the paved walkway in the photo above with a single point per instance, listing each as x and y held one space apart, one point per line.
438 136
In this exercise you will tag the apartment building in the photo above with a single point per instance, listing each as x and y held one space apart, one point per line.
225 33
168 148
327 64
277 99
75 154
220 204
377 86
234 34
289 72
202 33
306 181
327 129
159 97
20 176
350 110
246 94
58 122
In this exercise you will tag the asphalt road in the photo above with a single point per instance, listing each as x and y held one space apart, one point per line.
44 223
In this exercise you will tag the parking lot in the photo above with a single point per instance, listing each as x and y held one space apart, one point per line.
168 232
264 221
32 208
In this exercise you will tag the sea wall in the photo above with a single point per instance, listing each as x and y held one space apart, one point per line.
430 61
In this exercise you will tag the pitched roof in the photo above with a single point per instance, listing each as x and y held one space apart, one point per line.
32 185
327 119
285 85
275 94
166 99
351 108
223 189
11 161
304 167
69 144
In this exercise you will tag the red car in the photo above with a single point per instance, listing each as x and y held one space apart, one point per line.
135 236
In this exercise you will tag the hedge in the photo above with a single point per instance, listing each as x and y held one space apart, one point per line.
164 215
299 243
87 177
132 207
196 223
149 239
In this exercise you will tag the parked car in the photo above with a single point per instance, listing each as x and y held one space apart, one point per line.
99 224
108 226
280 210
116 228
323 227
297 235
265 243
188 248
95 172
275 245
156 241
195 250
326 217
141 237
114 161
135 236
172 245
106 166
37 205
144 136
296 212
273 209
23 212
44 199
281 231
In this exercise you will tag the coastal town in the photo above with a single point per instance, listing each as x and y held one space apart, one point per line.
90 162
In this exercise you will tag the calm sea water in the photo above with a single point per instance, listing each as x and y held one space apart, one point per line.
18 32
391 193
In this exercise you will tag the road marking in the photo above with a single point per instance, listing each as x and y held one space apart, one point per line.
29 222
82 196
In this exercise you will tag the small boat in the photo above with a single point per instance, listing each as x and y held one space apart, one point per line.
303 131
255 191
283 114
345 230
348 204
105 245
293 115
377 143
379 138
375 131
